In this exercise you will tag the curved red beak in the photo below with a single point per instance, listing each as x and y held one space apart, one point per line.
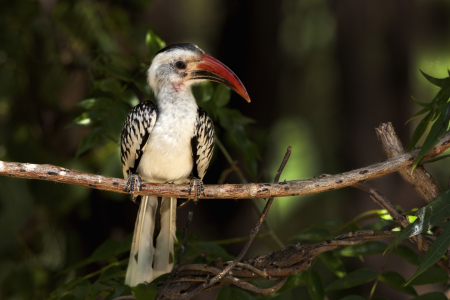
211 69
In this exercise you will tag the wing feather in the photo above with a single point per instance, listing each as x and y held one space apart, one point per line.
135 133
202 143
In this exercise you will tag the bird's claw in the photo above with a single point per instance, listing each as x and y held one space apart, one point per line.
197 184
134 183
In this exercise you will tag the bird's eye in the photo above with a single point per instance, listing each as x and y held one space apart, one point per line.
180 65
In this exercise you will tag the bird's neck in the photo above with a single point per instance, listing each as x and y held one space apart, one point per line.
170 98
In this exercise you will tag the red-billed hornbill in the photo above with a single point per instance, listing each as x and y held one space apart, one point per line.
172 142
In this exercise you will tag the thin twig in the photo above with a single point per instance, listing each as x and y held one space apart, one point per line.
253 233
169 279
223 191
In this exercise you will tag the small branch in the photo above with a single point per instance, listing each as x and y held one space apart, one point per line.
274 266
421 181
224 191
244 250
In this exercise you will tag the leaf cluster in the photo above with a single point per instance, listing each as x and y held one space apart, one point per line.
438 117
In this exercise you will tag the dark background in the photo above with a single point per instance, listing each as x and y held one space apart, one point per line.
321 75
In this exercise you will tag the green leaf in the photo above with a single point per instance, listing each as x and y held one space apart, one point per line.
112 272
214 251
419 113
315 285
435 159
154 43
353 297
368 248
437 131
440 82
121 290
352 279
407 254
221 96
427 217
397 282
145 291
83 290
377 225
436 250
120 72
431 296
420 130
334 263
203 92
423 104
292 282
313 234
88 141
329 222
430 276
229 292
109 85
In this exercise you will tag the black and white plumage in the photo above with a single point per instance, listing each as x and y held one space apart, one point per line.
169 143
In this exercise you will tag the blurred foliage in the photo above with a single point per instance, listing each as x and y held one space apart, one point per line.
51 50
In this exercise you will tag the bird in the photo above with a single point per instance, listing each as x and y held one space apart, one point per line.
171 141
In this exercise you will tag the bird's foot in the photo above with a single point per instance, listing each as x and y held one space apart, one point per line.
134 183
197 185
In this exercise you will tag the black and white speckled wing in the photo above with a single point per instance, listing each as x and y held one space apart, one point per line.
135 133
202 143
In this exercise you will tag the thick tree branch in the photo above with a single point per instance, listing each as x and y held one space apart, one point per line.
421 181
224 191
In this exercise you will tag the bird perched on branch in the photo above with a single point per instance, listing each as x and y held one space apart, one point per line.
171 142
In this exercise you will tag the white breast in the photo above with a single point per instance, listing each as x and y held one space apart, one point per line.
168 154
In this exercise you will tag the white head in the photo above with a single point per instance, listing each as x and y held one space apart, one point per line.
179 66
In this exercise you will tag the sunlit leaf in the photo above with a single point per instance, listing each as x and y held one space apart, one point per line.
368 248
334 263
229 292
397 281
427 217
313 234
431 296
355 278
154 43
440 82
377 225
430 276
407 254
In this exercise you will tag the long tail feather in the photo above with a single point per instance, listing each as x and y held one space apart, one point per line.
164 252
142 250
148 261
